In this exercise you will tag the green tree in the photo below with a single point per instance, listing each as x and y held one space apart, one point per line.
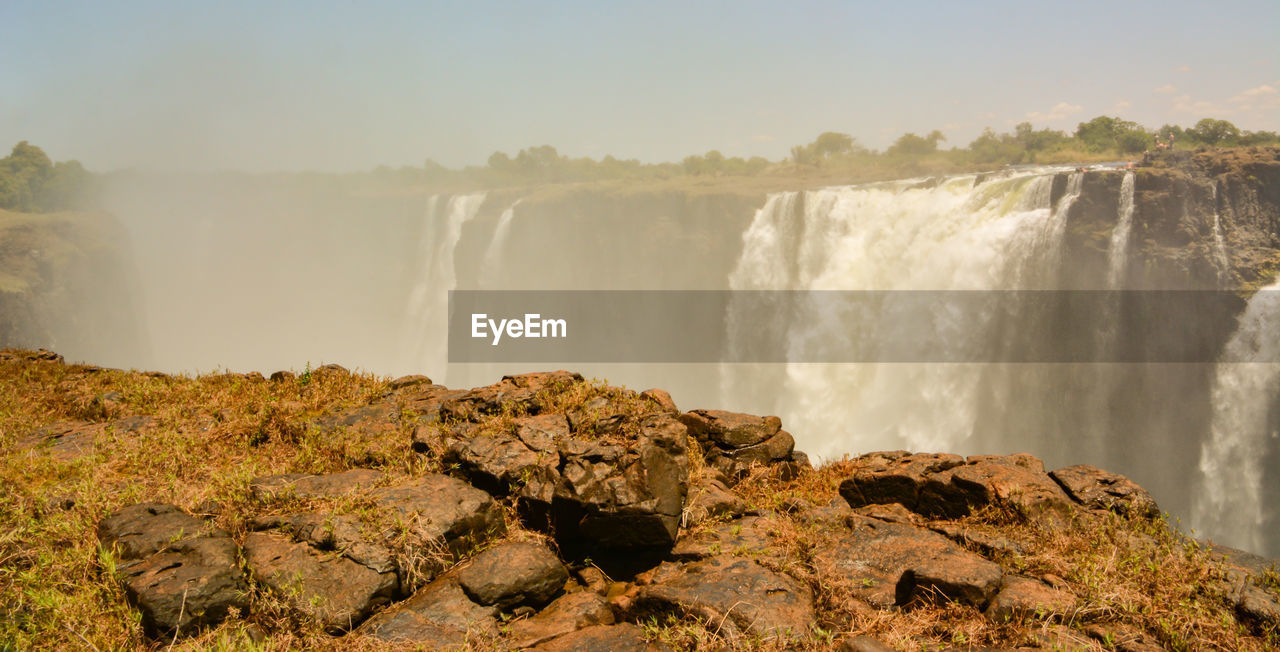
830 144
25 171
1214 132
910 144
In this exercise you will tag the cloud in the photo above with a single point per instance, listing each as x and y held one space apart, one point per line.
1182 69
1166 89
1059 111
1199 108
763 138
1121 106
1262 99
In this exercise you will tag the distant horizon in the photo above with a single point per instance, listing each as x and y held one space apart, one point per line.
331 88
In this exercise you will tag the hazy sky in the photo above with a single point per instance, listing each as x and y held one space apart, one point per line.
291 86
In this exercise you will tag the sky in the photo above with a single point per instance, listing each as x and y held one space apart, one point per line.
269 86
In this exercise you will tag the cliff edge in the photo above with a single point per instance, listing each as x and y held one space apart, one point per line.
548 512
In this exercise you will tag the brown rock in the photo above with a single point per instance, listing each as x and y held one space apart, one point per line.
888 564
440 615
862 644
186 586
624 637
512 574
744 597
301 485
1098 489
712 499
946 486
437 508
335 591
616 498
1023 597
140 530
748 536
661 399
566 614
408 381
730 429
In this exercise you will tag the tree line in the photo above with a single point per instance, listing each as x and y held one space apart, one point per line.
32 183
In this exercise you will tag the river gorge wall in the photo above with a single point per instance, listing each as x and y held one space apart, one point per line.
256 276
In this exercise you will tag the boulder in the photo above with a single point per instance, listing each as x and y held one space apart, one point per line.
614 498
730 430
887 564
140 530
712 499
443 511
181 573
511 574
741 596
748 536
565 615
941 485
1098 489
329 588
1024 597
661 400
408 381
438 616
623 637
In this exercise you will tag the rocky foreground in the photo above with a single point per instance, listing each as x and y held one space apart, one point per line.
546 512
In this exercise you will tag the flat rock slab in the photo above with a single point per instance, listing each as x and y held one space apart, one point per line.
335 591
746 598
730 430
891 564
187 585
565 615
440 615
440 509
712 499
1024 597
301 485
623 637
140 530
1098 489
748 536
67 441
513 574
941 485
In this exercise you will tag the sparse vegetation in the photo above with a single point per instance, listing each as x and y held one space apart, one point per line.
214 433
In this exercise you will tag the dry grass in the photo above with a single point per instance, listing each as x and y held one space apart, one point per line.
217 432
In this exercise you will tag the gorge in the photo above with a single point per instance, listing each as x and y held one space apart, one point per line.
255 276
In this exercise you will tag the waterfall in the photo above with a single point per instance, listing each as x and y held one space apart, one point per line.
1118 254
953 236
492 259
426 324
1229 503
1219 243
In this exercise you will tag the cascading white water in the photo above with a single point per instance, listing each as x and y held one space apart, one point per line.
492 260
1229 503
1118 254
885 237
1219 243
427 320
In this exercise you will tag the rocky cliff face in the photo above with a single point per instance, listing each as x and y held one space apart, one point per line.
546 512
603 238
67 280
1202 220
